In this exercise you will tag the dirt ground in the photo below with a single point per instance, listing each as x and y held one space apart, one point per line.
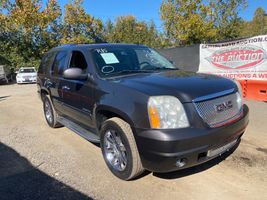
37 162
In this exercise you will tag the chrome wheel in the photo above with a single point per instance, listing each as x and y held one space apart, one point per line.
48 112
114 150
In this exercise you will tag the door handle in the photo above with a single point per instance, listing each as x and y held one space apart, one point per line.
65 87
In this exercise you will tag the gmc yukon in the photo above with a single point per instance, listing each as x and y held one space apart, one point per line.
144 112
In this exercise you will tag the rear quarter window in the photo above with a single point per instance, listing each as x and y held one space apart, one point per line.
46 63
59 63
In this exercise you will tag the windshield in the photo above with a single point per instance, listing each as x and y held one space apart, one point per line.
112 61
31 70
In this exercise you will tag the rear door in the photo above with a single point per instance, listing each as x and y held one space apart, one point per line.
52 82
43 73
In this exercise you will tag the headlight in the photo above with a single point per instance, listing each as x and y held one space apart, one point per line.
18 76
166 112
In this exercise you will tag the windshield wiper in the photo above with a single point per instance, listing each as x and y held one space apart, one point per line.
164 68
129 71
132 71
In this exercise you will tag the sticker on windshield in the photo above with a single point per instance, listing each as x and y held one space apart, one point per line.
101 51
109 58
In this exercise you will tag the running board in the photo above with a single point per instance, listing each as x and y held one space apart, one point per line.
79 130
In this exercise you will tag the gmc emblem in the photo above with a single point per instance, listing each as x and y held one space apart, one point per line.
223 106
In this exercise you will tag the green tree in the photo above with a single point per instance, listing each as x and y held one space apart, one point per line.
79 26
257 26
27 30
187 21
127 29
226 18
109 31
193 21
259 22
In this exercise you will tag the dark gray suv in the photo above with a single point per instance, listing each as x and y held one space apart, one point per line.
145 112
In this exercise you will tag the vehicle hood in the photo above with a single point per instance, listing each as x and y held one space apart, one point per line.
186 86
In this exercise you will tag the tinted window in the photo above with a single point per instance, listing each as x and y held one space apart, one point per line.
59 63
46 62
27 70
78 61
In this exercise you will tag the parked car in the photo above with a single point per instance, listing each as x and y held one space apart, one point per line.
5 74
26 75
145 112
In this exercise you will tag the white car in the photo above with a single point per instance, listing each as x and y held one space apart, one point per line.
26 75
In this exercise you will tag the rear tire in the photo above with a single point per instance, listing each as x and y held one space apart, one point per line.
119 149
50 114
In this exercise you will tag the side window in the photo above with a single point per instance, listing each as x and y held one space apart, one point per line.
46 63
78 61
59 63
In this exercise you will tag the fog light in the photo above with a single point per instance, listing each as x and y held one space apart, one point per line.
181 162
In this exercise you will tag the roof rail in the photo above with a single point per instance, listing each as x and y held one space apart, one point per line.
65 45
99 39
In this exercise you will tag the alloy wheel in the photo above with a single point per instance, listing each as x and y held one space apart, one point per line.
114 150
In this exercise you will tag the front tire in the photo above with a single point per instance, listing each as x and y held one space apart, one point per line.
119 149
50 113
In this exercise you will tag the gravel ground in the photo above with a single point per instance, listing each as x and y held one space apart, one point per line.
37 162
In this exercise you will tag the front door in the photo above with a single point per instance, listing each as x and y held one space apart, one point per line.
77 95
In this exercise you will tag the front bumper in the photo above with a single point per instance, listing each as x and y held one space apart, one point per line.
26 80
161 149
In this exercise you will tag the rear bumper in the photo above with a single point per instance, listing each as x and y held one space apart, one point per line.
160 149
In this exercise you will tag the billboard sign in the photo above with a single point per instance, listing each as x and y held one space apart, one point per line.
240 59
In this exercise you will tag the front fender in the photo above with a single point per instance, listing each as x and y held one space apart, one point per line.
129 106
116 111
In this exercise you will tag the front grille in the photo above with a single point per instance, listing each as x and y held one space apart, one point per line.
221 110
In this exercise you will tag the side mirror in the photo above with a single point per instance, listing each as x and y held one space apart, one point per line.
74 74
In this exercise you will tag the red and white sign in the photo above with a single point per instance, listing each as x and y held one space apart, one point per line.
240 59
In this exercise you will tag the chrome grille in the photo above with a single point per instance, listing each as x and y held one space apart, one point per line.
208 109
